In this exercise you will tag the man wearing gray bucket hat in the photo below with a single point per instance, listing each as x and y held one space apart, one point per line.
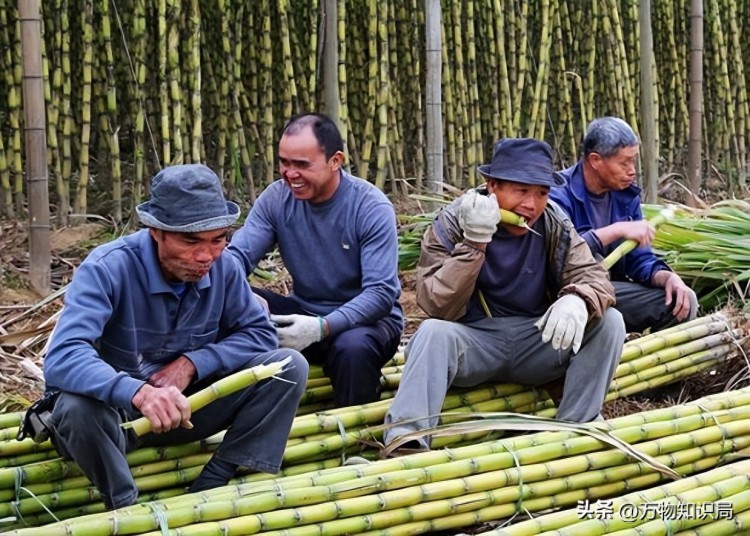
157 315
526 305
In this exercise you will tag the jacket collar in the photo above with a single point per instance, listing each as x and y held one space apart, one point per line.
578 187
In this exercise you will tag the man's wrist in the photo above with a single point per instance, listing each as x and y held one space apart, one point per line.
661 278
140 395
481 246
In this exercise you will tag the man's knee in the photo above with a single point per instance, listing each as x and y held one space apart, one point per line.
74 411
429 332
613 322
373 345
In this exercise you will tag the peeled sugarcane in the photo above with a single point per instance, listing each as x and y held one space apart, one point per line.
410 239
221 388
629 245
525 468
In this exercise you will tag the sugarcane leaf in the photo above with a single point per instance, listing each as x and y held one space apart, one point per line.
494 421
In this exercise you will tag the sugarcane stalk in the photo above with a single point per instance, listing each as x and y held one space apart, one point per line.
629 245
503 511
688 331
570 519
723 527
532 454
219 389
511 218
673 353
503 487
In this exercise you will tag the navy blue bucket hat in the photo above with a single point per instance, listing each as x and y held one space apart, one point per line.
523 160
187 199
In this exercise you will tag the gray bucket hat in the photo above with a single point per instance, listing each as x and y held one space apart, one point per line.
524 160
187 199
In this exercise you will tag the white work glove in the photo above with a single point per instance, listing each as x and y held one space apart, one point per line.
298 331
478 216
564 323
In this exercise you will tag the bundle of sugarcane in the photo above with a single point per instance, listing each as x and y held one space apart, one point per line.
663 347
715 502
709 248
458 487
324 439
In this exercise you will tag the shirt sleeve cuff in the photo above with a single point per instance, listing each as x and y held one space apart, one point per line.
124 391
337 322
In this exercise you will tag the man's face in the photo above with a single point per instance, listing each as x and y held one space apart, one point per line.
527 200
305 169
615 172
188 256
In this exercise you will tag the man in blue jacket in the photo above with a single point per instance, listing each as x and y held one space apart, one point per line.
337 236
154 316
602 199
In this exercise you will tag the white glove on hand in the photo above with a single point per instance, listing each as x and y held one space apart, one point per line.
564 323
478 216
298 331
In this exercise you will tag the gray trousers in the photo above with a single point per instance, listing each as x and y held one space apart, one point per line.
258 420
509 349
644 307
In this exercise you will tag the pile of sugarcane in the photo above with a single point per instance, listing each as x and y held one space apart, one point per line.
709 248
457 487
134 85
35 483
713 503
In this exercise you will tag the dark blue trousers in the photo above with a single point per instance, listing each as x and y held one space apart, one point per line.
351 359
257 420
644 307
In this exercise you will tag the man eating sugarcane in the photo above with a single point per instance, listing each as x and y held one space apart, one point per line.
154 316
602 199
508 304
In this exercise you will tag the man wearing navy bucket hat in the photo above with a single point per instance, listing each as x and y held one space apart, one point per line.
157 315
526 305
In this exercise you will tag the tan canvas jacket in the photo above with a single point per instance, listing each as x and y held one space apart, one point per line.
448 267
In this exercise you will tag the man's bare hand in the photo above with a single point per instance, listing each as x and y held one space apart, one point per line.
675 289
179 373
641 231
165 407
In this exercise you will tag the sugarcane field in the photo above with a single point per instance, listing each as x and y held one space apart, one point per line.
323 267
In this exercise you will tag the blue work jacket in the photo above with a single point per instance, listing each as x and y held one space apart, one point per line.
122 321
640 264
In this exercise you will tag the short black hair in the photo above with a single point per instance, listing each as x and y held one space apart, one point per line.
323 128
